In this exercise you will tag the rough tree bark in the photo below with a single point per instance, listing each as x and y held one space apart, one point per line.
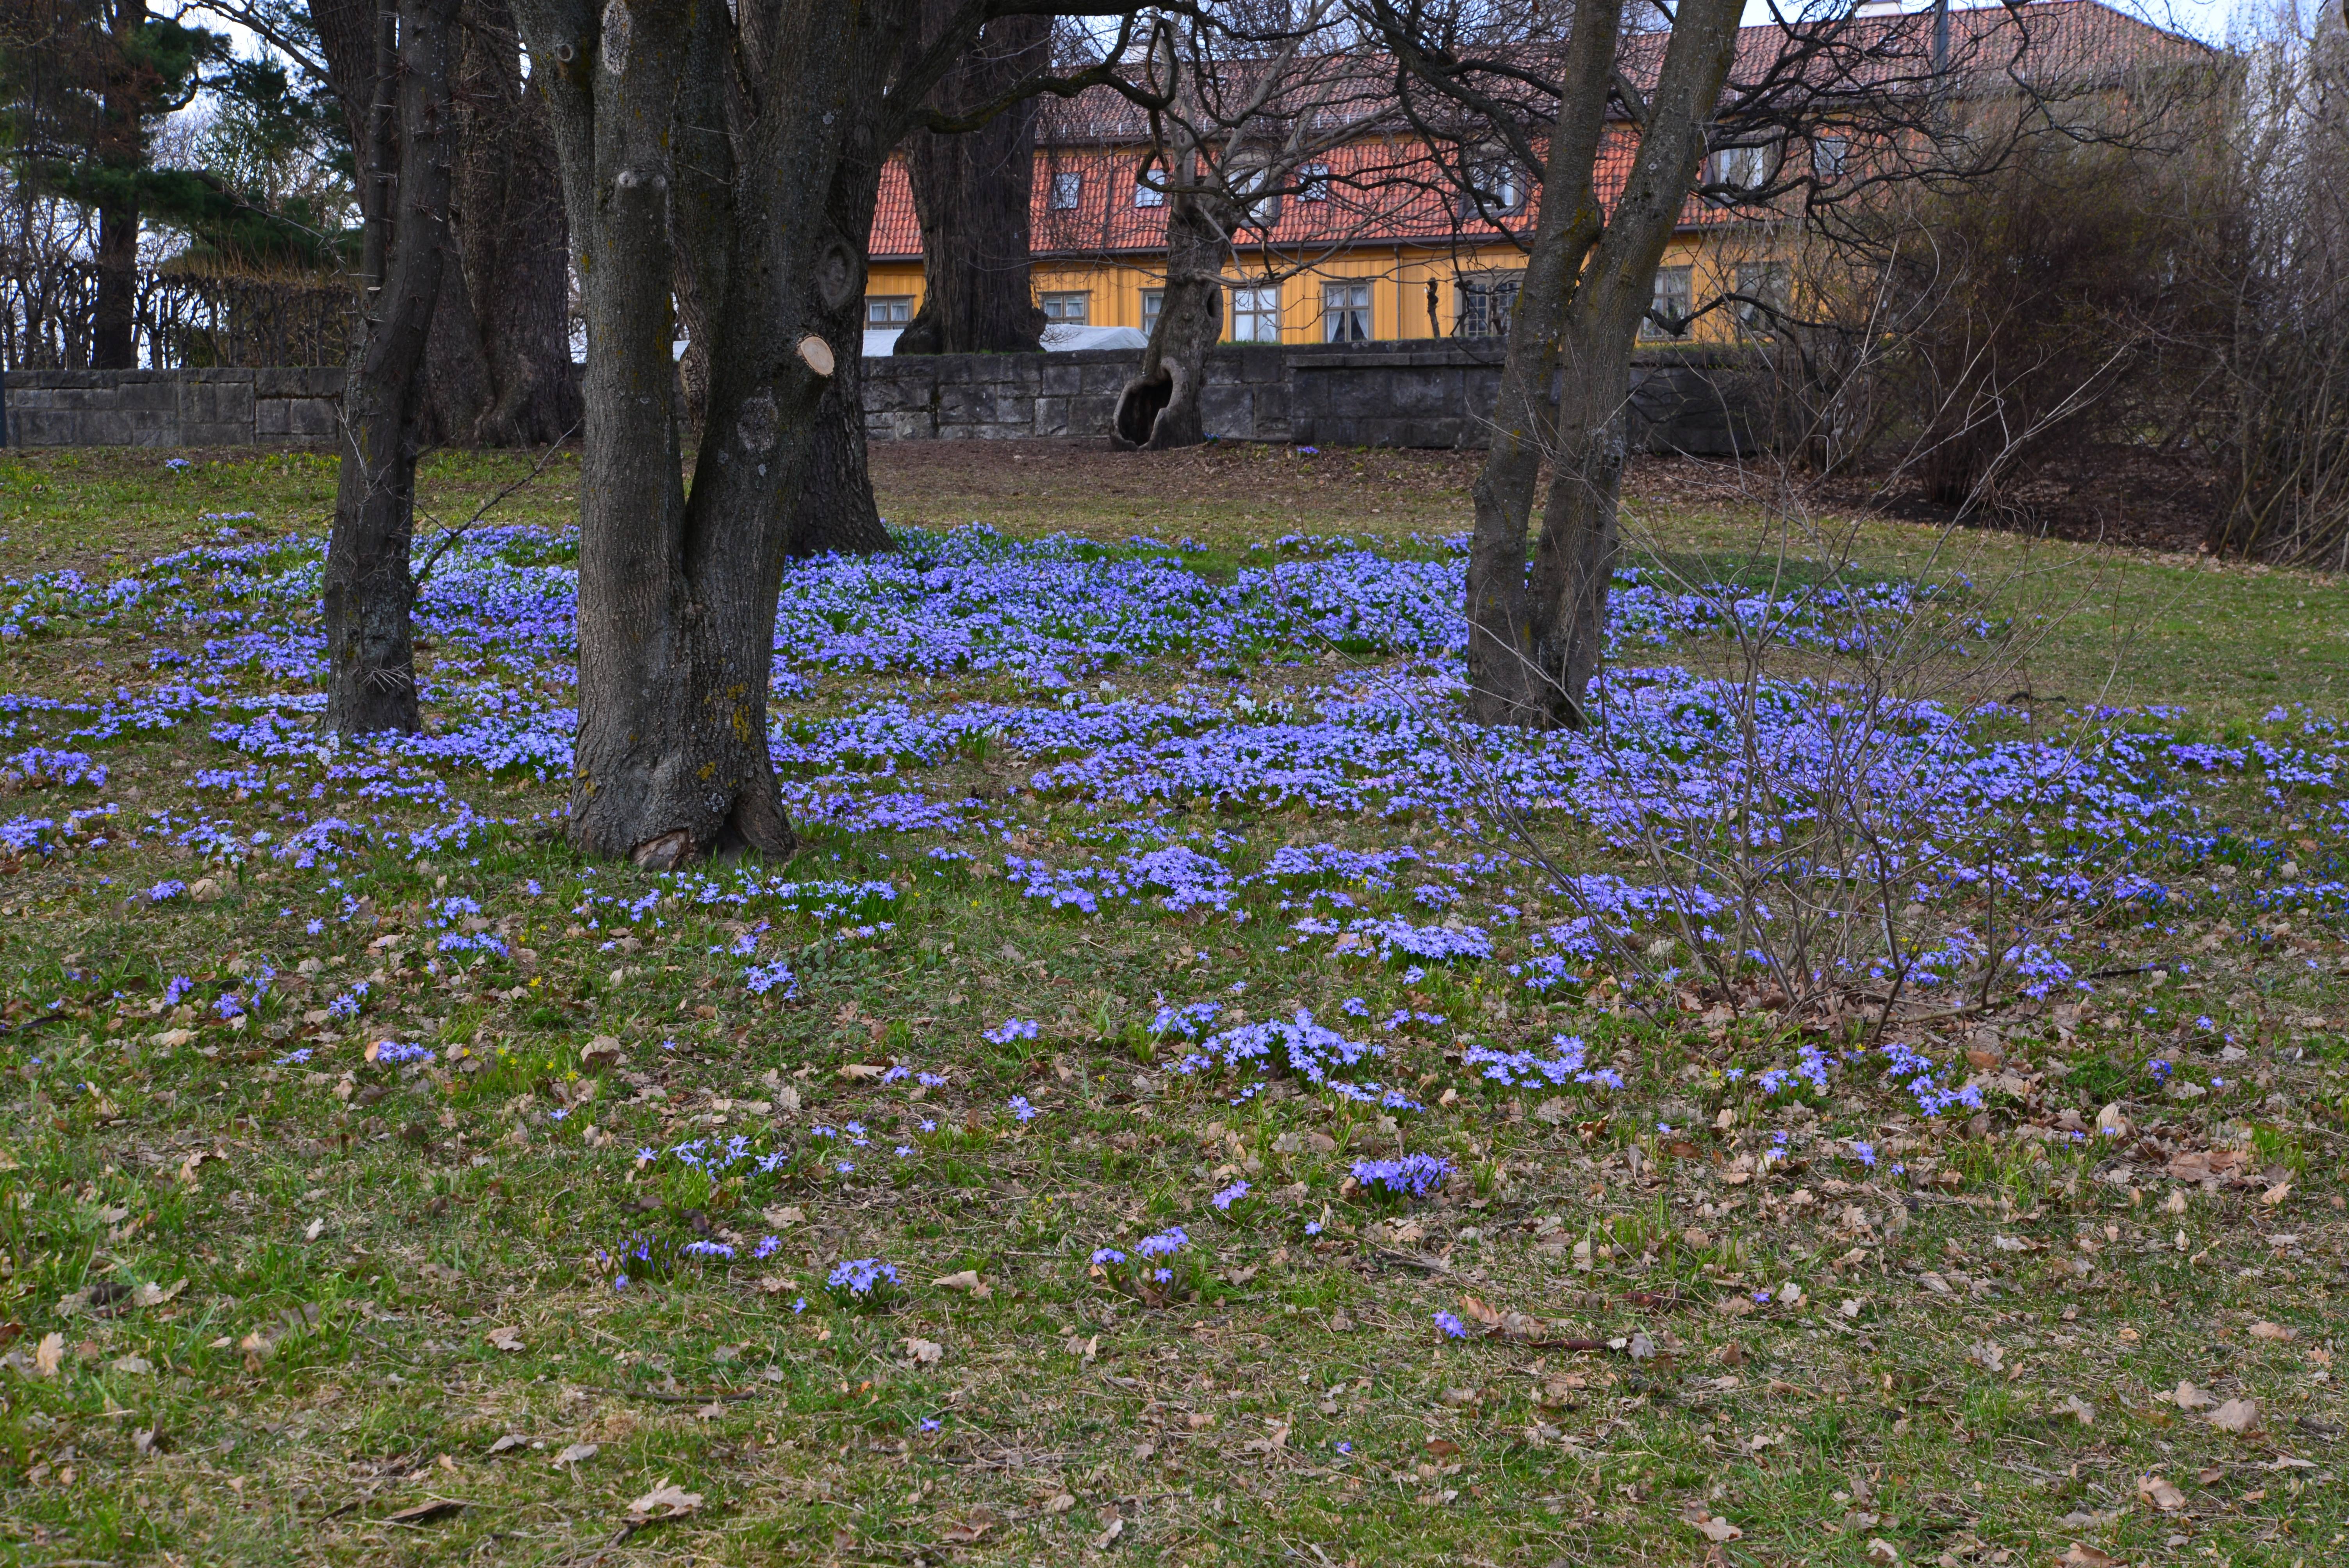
1159 408
1536 632
121 144
768 207
972 195
745 143
370 654
499 360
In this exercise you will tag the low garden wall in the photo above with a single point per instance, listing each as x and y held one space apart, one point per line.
1425 393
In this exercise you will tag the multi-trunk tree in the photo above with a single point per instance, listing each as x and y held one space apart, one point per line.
743 145
1622 126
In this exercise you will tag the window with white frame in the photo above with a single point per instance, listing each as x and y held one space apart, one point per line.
1149 188
1314 183
1484 302
1255 314
1154 300
1495 186
1066 192
1258 210
1762 294
1744 168
1669 301
1066 309
1345 312
888 310
1830 154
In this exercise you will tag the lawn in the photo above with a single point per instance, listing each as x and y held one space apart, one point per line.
1160 1113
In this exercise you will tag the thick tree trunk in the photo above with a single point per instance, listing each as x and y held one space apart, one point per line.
500 359
836 512
1159 408
1536 637
676 596
112 344
972 195
371 667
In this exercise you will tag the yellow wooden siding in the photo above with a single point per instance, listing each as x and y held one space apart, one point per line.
1398 276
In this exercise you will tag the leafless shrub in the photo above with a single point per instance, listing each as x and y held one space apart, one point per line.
2279 272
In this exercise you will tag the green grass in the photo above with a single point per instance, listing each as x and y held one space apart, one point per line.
350 1238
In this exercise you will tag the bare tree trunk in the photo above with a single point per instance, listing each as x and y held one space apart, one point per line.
121 144
1536 636
371 673
1159 408
677 595
111 340
836 512
500 358
972 195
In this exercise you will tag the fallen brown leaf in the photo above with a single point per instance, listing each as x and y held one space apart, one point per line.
2235 1416
423 1512
666 1501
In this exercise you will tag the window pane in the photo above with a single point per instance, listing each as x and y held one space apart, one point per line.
1671 299
1067 190
1255 315
1148 195
888 310
1067 308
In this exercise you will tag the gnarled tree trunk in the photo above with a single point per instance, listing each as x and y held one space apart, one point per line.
1159 408
370 652
972 195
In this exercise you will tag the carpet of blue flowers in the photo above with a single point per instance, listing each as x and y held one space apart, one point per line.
1168 1108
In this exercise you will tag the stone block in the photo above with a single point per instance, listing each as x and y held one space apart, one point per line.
1227 412
1058 379
1052 416
1107 377
214 399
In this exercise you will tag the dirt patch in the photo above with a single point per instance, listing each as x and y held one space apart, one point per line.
2121 496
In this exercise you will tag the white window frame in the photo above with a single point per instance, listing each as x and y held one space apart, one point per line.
1154 300
1258 306
1066 193
1346 311
1483 303
1493 187
1314 183
888 306
1669 281
1057 303
1146 194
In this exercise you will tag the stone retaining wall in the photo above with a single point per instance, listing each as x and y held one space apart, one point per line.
1354 395
1423 393
173 407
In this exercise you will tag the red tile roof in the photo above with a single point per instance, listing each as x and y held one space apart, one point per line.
1386 186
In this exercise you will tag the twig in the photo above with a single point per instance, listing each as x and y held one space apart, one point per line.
450 536
671 1398
1427 1260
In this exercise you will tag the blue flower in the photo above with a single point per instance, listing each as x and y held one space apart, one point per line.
1452 1327
1021 1110
1230 1195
